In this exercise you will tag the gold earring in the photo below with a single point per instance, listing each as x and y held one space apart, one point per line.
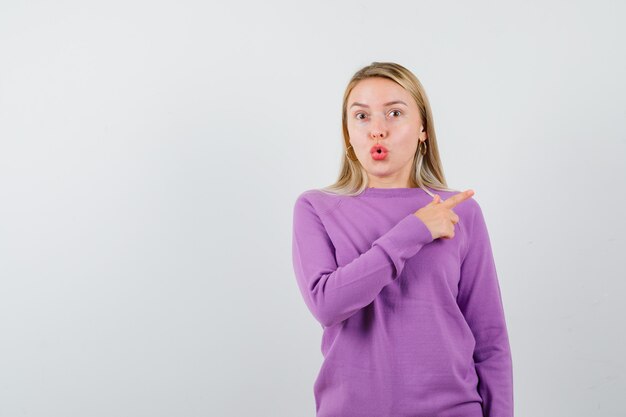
349 155
422 149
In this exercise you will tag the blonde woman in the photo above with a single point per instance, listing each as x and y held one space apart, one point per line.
398 269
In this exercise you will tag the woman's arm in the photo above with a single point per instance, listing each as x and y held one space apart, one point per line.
333 293
479 299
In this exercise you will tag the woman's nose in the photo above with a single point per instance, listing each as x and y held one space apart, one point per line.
378 129
377 134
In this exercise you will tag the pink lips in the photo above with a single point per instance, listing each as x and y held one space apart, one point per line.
378 152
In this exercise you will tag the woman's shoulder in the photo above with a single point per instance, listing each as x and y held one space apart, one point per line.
467 210
322 201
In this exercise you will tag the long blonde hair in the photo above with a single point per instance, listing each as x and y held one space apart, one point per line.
427 170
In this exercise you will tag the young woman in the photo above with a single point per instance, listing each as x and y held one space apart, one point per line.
398 269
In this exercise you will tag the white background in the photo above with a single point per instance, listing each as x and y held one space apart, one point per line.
151 152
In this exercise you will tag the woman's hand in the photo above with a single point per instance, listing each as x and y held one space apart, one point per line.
439 217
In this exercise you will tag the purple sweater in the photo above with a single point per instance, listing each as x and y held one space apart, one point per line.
412 326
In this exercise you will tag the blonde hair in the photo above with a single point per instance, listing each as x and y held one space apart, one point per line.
427 170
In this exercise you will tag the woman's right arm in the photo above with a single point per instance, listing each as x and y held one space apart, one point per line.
333 293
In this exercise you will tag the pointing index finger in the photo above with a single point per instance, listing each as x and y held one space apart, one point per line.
458 198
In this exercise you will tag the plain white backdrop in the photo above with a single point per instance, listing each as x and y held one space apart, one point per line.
151 153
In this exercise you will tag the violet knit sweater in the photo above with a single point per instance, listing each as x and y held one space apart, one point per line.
412 326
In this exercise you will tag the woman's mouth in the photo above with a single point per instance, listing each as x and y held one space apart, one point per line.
378 152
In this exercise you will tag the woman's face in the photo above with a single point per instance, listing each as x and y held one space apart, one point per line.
381 112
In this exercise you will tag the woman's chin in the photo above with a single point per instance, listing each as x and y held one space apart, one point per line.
379 171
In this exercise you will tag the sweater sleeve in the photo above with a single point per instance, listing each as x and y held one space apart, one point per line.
333 293
480 301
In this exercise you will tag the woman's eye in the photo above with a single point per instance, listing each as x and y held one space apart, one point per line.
396 111
359 114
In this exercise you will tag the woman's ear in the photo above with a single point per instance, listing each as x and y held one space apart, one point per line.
423 134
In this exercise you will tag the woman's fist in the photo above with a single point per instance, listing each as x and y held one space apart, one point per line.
438 215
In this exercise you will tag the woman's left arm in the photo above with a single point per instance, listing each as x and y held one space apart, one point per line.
480 301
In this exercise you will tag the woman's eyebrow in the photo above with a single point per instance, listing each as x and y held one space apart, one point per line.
386 104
